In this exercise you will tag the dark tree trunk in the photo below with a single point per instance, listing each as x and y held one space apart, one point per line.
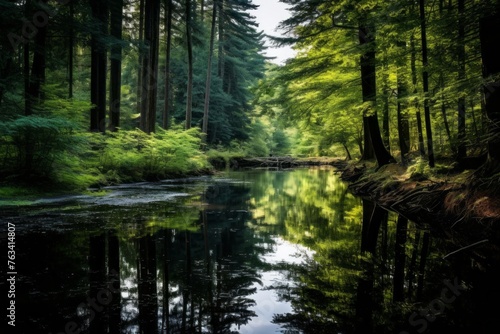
421 147
98 68
209 72
37 76
220 69
490 39
202 10
189 100
116 64
33 82
368 85
348 157
385 116
445 118
168 27
139 69
425 75
150 65
403 124
461 149
71 48
385 124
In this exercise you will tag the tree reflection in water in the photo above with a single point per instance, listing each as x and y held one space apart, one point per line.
223 258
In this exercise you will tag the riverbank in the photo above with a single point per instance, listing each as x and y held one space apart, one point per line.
443 199
275 162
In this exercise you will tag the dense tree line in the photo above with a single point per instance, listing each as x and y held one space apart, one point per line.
391 78
102 66
377 81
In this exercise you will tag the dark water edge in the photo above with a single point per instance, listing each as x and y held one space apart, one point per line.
242 252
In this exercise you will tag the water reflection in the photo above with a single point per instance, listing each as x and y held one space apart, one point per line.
246 252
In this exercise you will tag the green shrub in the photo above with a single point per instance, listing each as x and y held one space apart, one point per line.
133 155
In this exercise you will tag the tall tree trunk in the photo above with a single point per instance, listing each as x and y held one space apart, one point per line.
462 150
490 39
425 75
220 68
445 116
189 100
368 85
150 65
202 10
348 154
116 64
139 68
403 124
385 117
71 48
421 147
209 71
34 82
98 68
168 26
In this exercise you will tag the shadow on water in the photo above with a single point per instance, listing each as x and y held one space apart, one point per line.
246 252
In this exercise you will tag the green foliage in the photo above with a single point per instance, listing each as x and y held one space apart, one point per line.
133 155
53 151
30 145
319 91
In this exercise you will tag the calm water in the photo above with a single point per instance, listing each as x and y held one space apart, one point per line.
242 252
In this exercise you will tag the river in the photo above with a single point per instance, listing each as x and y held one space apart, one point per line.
256 251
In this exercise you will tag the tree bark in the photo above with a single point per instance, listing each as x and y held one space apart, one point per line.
490 39
116 64
33 85
150 65
139 69
189 100
462 149
421 147
168 25
71 49
98 68
425 78
445 118
403 124
209 71
220 69
368 85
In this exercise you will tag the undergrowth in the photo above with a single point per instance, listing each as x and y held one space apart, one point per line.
66 158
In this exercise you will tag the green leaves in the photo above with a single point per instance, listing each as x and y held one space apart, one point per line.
133 155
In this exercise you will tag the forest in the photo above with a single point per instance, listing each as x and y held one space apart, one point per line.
106 92
160 173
